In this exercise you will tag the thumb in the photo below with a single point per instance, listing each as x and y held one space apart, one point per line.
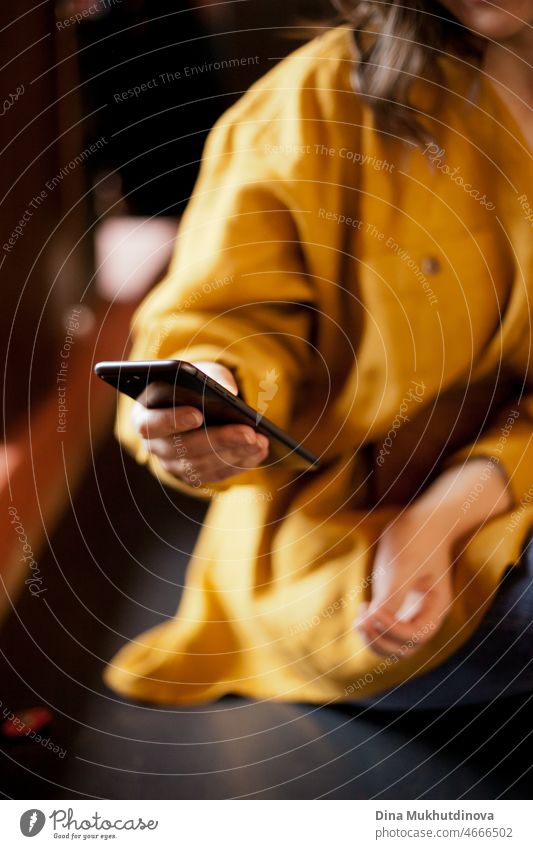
411 605
218 372
395 597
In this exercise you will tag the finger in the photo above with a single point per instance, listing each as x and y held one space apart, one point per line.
217 439
419 629
227 464
410 607
367 614
400 648
365 618
381 644
234 459
404 646
178 447
384 637
152 423
209 475
384 620
371 633
432 610
157 394
219 373
374 630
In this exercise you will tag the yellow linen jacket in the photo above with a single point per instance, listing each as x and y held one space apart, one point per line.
372 298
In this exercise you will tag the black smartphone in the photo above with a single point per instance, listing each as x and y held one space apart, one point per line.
180 383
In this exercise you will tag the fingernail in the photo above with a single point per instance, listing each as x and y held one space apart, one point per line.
251 449
192 420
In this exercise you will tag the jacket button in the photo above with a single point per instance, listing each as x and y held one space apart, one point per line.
430 265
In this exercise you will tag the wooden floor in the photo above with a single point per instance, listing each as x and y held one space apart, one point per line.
110 571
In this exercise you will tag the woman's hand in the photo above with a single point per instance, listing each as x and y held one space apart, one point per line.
412 572
197 455
411 587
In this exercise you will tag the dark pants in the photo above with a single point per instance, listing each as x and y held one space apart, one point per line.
496 661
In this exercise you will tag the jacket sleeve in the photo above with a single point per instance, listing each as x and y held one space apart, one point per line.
236 291
507 443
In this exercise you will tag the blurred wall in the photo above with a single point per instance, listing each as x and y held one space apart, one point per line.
45 254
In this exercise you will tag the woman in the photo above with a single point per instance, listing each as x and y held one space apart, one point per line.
356 261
